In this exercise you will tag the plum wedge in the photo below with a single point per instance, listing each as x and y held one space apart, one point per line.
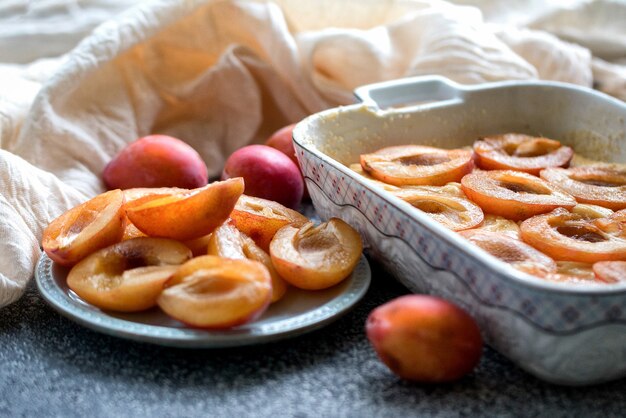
229 242
521 152
260 218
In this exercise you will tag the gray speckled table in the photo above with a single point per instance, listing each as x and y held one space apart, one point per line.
50 366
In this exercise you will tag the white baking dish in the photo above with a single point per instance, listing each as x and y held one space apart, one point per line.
562 333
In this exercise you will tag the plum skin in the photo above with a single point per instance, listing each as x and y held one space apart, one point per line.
268 174
424 338
156 161
283 142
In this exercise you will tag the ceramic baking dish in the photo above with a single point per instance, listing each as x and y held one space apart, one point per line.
566 334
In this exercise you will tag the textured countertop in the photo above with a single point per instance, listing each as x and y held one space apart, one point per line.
50 366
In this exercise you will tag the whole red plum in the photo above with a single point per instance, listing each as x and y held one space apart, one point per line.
268 173
424 338
156 161
283 142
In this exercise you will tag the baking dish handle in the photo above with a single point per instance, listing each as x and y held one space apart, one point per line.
409 92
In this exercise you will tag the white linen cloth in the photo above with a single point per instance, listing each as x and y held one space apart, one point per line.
222 74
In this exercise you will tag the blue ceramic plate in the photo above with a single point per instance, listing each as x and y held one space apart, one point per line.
298 312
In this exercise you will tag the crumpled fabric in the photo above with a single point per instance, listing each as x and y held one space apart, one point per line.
223 74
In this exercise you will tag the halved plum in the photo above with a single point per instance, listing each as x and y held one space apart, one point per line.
571 237
316 257
418 165
131 231
521 152
598 185
455 213
188 214
90 226
513 194
216 293
229 242
260 218
518 254
127 276
610 271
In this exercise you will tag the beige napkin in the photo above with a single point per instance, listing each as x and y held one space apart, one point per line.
223 74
